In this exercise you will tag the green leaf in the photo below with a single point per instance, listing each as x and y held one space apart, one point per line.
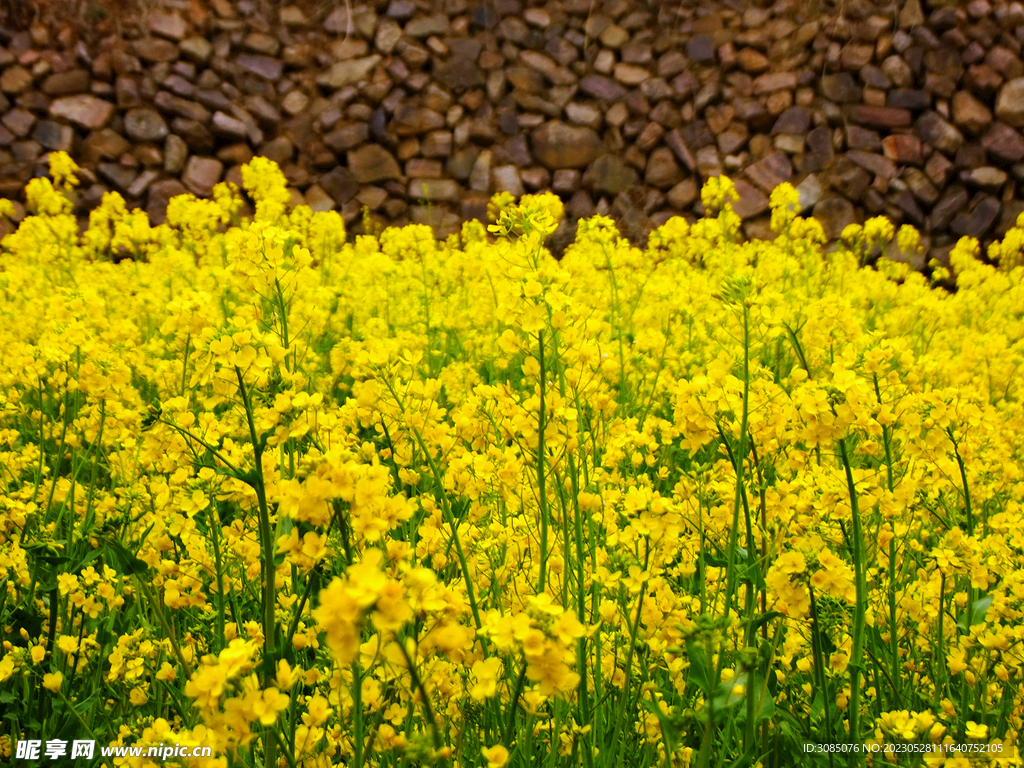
977 613
128 562
699 670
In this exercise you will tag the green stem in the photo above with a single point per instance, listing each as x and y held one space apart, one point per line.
541 491
860 609
267 547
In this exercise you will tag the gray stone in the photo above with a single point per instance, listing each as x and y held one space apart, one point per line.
145 124
508 179
266 67
810 191
228 126
54 136
609 174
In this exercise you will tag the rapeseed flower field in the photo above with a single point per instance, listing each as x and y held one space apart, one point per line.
400 502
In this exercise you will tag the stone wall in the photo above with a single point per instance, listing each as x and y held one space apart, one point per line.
421 109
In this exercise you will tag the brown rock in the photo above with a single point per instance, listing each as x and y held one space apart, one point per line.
145 124
347 136
903 148
969 113
459 74
84 110
677 143
508 179
701 48
835 214
1010 103
793 120
196 49
1004 143
295 102
979 219
266 67
770 171
952 202
19 122
601 88
855 55
15 80
849 179
933 129
105 144
318 200
175 154
911 15
64 83
662 170
371 163
752 201
340 184
840 88
155 50
201 173
344 73
876 164
909 98
938 168
425 26
609 174
631 74
138 187
775 81
169 25
121 176
434 190
709 162
280 150
985 177
683 194
898 71
557 145
189 110
411 120
920 186
161 193
752 60
196 134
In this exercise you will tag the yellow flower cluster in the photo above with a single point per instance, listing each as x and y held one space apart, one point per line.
397 500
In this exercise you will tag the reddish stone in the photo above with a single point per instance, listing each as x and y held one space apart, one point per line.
903 148
879 117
